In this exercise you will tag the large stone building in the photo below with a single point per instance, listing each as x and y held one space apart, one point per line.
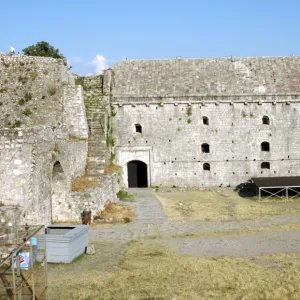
206 122
179 122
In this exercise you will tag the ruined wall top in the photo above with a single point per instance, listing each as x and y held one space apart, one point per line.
31 90
208 76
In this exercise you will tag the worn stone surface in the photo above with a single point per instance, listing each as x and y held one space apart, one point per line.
91 250
207 76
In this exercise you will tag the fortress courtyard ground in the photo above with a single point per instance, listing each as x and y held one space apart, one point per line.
190 245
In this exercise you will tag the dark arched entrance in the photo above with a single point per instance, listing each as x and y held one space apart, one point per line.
137 174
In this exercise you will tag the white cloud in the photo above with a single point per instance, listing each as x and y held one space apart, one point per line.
91 67
100 64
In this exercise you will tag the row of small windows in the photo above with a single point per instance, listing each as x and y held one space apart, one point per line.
265 146
264 165
205 120
265 120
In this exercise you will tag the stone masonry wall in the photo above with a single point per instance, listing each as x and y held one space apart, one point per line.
44 140
27 164
172 134
169 99
31 90
74 115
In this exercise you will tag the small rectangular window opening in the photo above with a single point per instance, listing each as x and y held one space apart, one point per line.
265 165
265 146
138 128
206 167
205 120
205 148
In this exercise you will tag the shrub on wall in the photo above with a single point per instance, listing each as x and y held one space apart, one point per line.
43 49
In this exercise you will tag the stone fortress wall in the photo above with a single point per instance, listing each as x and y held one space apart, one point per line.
44 142
27 159
173 100
193 122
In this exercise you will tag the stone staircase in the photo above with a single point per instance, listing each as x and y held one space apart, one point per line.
95 112
97 153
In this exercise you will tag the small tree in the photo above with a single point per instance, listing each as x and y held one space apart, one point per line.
42 49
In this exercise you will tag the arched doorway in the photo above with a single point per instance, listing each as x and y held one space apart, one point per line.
59 191
137 174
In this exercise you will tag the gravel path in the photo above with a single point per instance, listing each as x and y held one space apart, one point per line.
242 245
152 223
148 207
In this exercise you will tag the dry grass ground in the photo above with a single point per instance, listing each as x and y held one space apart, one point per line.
85 277
220 205
118 213
112 168
84 182
152 269
149 270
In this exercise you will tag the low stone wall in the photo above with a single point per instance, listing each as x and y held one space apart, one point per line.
93 199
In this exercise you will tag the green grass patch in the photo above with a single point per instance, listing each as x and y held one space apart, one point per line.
125 196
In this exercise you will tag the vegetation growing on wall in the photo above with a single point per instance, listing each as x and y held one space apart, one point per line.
27 112
35 75
2 90
52 91
110 141
43 49
28 96
16 124
79 81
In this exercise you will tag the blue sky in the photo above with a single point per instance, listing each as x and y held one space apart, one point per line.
94 34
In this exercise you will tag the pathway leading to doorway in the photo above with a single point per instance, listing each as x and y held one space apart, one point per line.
203 237
148 207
